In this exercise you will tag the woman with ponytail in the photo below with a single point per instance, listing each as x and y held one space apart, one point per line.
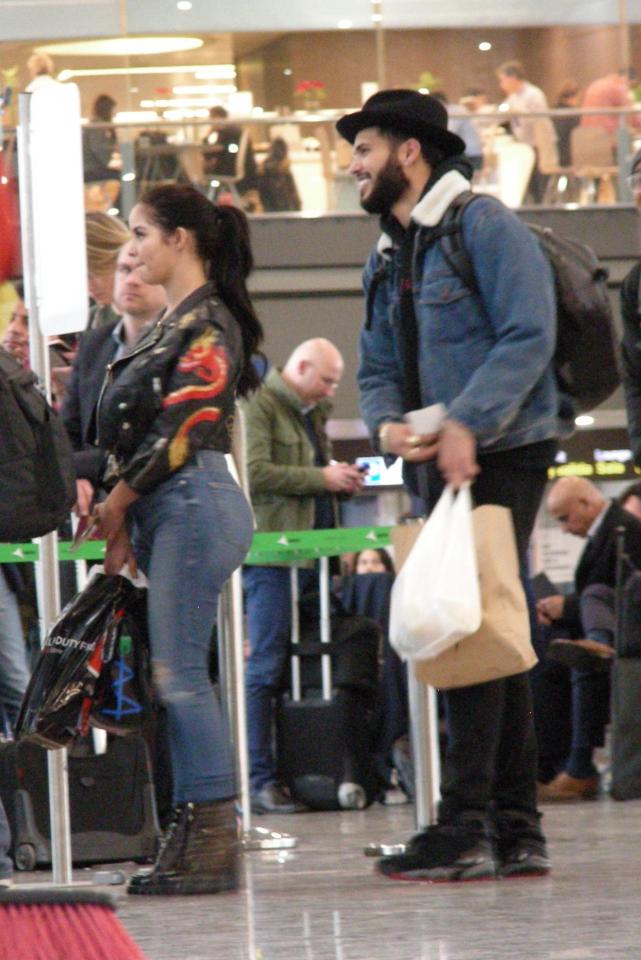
166 414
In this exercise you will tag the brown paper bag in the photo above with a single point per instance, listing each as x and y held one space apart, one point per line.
501 646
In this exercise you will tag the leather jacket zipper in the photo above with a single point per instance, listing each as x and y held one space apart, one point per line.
108 379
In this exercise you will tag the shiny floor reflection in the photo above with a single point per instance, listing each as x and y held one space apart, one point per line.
323 900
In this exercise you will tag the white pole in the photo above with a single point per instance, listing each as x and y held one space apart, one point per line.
47 581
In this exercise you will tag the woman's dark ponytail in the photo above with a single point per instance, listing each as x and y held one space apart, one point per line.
222 240
230 263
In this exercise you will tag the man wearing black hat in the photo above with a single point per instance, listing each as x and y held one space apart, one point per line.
631 344
486 356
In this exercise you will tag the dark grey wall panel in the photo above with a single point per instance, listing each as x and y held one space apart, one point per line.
308 277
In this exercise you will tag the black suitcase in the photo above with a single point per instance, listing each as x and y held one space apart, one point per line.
325 723
111 797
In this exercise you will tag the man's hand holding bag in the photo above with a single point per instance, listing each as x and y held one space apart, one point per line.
500 646
435 598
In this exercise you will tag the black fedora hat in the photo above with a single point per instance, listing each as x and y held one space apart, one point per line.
416 114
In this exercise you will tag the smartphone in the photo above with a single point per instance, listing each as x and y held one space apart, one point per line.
86 528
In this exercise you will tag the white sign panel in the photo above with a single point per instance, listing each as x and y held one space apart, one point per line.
557 554
56 173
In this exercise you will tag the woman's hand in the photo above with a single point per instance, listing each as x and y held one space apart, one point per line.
120 552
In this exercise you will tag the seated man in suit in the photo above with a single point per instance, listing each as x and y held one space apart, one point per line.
587 617
139 304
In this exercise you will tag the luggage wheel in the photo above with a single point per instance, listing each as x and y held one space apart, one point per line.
25 857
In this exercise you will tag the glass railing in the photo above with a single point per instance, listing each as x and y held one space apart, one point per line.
276 165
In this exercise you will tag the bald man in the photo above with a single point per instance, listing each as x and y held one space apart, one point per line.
588 616
293 484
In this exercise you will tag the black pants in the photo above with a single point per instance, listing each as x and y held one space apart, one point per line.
490 761
572 707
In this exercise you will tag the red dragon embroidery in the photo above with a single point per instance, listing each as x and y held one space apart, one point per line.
207 361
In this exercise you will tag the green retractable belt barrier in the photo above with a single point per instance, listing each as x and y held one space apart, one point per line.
286 547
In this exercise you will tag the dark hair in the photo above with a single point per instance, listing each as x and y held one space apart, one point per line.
222 241
384 557
632 490
429 152
103 107
513 68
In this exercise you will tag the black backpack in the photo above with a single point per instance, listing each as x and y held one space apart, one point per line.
37 476
586 358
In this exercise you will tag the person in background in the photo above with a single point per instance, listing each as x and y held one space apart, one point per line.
367 592
373 561
16 337
41 69
587 617
276 184
293 484
631 340
488 359
222 143
166 417
568 97
99 141
523 97
106 235
461 123
139 304
613 90
630 499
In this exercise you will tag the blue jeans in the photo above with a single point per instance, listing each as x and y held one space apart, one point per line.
14 672
268 605
190 534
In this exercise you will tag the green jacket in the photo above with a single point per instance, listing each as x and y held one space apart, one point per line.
280 458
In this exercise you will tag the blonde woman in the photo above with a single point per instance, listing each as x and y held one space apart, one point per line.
106 235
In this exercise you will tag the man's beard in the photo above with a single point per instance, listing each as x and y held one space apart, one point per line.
388 186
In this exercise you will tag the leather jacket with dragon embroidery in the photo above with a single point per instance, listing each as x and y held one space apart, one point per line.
173 394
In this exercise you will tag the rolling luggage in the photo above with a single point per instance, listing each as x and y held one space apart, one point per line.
111 797
325 722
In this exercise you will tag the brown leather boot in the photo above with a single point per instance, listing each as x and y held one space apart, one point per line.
200 853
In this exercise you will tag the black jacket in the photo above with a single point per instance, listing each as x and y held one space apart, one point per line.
598 562
173 394
96 351
631 352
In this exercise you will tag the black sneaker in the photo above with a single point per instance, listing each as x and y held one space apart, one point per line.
443 853
521 847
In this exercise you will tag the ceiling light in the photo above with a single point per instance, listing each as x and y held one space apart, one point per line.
584 420
222 72
183 5
287 72
484 46
121 46
203 89
344 24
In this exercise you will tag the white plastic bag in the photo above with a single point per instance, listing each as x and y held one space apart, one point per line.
436 599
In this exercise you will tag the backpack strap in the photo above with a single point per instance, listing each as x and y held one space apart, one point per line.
377 278
450 233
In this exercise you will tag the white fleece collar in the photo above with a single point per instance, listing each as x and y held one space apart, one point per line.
430 208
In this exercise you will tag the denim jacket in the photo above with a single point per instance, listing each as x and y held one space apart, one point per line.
486 357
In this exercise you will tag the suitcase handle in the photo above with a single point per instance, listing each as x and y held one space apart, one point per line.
325 630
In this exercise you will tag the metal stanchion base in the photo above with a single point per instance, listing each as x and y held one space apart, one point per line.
384 849
259 838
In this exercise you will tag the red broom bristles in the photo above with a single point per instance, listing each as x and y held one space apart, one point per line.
70 930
